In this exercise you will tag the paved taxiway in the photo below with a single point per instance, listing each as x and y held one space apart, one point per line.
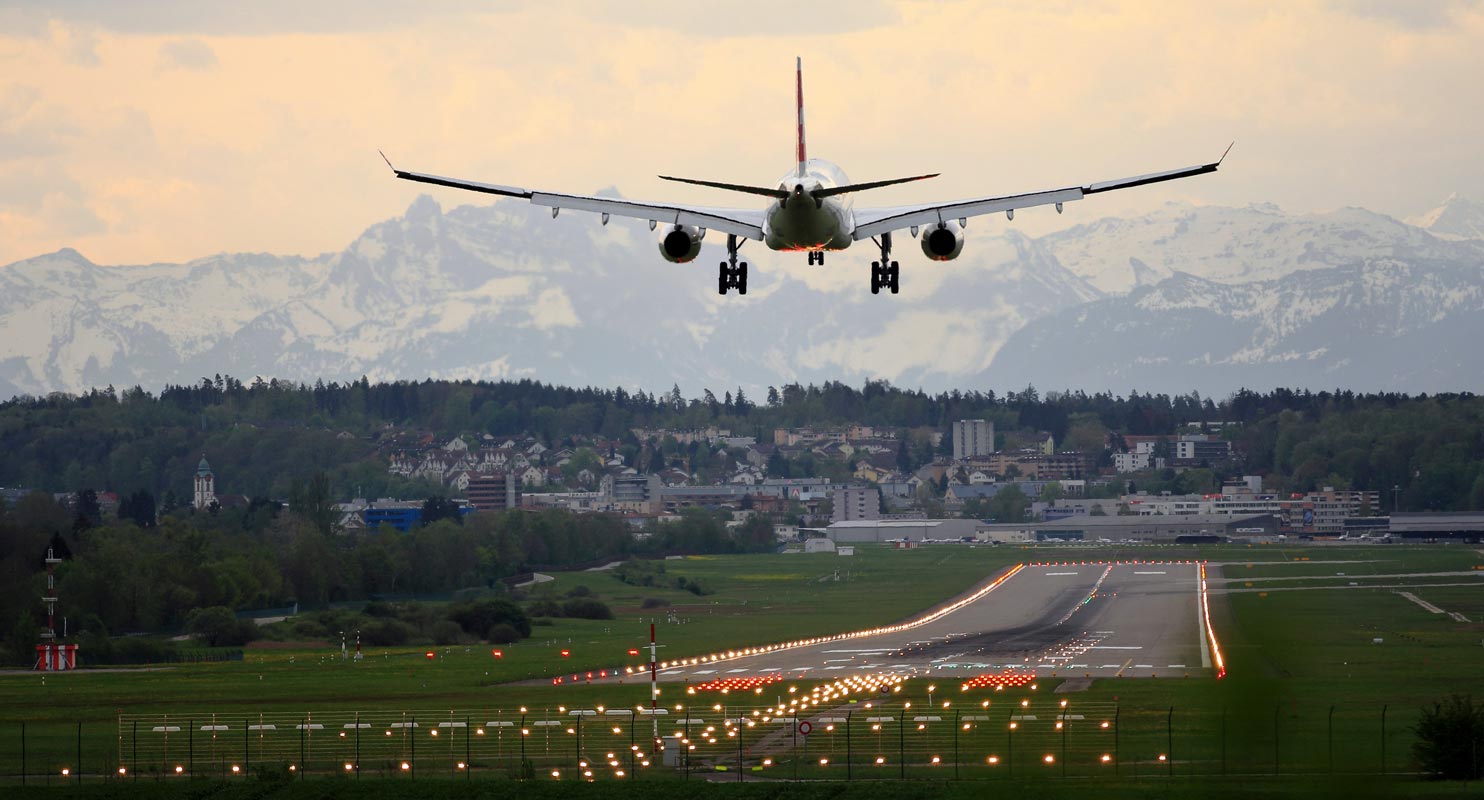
1098 620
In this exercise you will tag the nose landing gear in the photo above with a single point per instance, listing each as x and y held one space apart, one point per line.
732 275
885 273
816 257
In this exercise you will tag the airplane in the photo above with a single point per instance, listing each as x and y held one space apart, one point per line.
811 210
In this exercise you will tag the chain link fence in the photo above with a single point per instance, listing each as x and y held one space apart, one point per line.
968 739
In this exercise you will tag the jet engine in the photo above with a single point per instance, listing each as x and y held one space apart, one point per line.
681 243
943 241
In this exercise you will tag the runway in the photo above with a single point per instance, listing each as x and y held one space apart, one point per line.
1079 619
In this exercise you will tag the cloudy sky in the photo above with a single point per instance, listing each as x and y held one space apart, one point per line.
163 131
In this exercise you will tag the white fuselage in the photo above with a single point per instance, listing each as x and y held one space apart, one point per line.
801 222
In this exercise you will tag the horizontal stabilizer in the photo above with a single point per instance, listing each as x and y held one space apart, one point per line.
732 187
861 187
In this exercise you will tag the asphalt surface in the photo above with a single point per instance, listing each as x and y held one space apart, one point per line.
1087 619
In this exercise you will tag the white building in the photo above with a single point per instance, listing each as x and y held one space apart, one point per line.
972 437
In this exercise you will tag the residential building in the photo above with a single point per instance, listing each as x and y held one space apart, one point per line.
855 503
498 492
972 437
1198 447
640 493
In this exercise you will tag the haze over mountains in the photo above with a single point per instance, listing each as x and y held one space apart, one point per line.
1186 298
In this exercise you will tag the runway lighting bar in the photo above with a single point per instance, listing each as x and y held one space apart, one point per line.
736 684
1210 631
999 680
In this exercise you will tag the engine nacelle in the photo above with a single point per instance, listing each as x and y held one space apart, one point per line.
681 243
943 241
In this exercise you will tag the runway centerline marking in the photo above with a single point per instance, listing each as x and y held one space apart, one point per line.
1061 573
1161 572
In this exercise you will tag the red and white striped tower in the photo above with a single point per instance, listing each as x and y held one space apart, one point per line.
50 654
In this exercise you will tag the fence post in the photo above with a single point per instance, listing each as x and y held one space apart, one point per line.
1330 736
848 754
1383 739
246 747
1170 743
358 745
1223 741
739 746
303 726
134 762
578 744
191 747
902 746
413 759
1116 732
469 752
1276 709
23 753
1010 742
795 745
1065 724
79 753
955 744
523 737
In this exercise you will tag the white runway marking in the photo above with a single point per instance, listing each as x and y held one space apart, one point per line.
1116 647
1161 572
1177 666
705 672
1143 666
735 671
1109 666
1061 573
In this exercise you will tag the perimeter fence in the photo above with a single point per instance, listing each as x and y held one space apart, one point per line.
1004 737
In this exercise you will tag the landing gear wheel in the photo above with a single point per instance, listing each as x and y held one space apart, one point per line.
884 273
731 274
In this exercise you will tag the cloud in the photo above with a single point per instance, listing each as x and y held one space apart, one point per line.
1417 15
189 54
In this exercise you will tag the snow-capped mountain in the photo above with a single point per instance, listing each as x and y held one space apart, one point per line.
1231 245
505 291
1382 324
1185 298
1457 218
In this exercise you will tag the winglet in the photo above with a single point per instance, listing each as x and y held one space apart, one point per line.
387 160
1224 152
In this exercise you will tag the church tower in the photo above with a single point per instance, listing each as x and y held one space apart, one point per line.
205 485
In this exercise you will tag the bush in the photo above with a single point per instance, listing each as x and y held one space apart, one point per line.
478 617
447 632
1449 736
503 633
579 591
545 607
217 626
654 602
309 629
378 608
587 608
386 633
543 622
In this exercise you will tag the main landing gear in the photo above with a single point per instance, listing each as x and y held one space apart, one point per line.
885 273
732 275
816 257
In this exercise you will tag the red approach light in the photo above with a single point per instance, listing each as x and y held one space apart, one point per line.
566 653
431 655
633 651
497 653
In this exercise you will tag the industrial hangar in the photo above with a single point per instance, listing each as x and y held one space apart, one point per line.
1187 528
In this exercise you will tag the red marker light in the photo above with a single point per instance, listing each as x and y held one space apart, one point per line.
566 653
497 653
633 651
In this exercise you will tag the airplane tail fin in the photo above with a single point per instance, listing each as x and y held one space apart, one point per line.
799 94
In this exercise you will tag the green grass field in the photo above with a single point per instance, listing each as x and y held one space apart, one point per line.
1292 655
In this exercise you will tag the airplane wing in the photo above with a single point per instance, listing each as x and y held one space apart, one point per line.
746 223
873 221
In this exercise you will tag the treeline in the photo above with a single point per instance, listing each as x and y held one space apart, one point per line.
266 436
119 578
